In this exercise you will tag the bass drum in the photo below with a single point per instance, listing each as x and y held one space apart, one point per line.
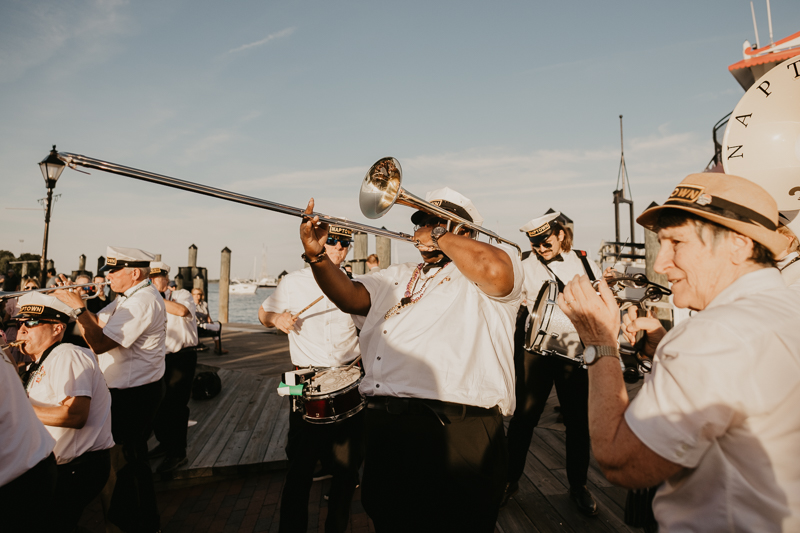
333 396
548 331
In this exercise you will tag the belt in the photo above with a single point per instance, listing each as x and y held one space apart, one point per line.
444 411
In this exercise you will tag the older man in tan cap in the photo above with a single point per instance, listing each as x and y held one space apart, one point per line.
716 423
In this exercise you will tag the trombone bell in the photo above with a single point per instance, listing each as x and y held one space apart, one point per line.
380 188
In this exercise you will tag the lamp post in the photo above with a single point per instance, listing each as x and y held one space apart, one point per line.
51 167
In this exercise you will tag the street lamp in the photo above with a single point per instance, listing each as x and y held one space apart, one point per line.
51 167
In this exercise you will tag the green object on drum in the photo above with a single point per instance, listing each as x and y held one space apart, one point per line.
294 390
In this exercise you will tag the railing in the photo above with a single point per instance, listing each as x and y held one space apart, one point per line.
717 137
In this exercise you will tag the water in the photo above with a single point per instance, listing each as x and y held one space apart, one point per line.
242 308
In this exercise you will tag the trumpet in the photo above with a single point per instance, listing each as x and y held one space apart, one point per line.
69 288
378 195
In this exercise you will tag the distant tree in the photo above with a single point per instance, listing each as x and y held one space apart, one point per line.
5 258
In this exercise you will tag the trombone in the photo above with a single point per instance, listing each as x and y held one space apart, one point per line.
379 192
15 294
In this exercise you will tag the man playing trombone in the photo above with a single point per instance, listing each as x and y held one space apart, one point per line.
437 346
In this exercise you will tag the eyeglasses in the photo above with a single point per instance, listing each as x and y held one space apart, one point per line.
333 240
35 322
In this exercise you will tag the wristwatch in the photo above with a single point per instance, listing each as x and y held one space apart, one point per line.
436 234
592 353
79 311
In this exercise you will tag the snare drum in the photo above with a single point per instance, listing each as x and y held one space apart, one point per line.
548 331
333 396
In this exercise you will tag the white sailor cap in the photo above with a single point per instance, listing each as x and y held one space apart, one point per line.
36 305
539 229
159 268
452 201
117 257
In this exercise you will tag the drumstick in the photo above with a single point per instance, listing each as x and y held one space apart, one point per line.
306 308
348 367
356 360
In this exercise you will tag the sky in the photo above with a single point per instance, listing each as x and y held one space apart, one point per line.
514 104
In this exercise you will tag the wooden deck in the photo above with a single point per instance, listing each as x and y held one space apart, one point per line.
243 430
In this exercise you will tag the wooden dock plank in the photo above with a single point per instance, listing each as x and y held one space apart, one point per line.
216 442
512 518
256 449
277 443
209 424
257 403
538 509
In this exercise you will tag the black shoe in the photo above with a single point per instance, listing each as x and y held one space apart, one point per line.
508 492
158 451
171 463
584 500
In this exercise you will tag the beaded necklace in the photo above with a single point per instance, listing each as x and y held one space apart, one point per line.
412 295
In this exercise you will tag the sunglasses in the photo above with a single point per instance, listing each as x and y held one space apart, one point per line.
544 244
333 240
35 322
430 221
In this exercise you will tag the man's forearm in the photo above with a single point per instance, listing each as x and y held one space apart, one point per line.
174 308
608 400
73 413
349 296
93 333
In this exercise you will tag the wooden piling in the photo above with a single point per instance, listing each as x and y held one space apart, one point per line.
179 284
383 249
81 263
224 284
193 256
158 257
360 253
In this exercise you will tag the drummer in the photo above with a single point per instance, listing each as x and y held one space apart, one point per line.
321 337
553 259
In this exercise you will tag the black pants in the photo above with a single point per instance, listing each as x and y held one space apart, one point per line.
536 375
423 473
343 442
172 419
79 482
133 504
25 502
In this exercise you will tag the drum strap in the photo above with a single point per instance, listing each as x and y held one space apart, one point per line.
588 269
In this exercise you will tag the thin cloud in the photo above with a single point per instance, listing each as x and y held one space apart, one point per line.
283 33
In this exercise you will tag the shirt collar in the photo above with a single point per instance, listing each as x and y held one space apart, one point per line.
135 288
751 283
786 260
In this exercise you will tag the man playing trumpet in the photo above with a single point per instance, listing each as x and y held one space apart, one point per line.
437 346
716 422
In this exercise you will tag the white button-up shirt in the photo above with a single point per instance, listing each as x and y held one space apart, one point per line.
536 273
137 321
722 401
455 344
181 331
323 336
70 370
